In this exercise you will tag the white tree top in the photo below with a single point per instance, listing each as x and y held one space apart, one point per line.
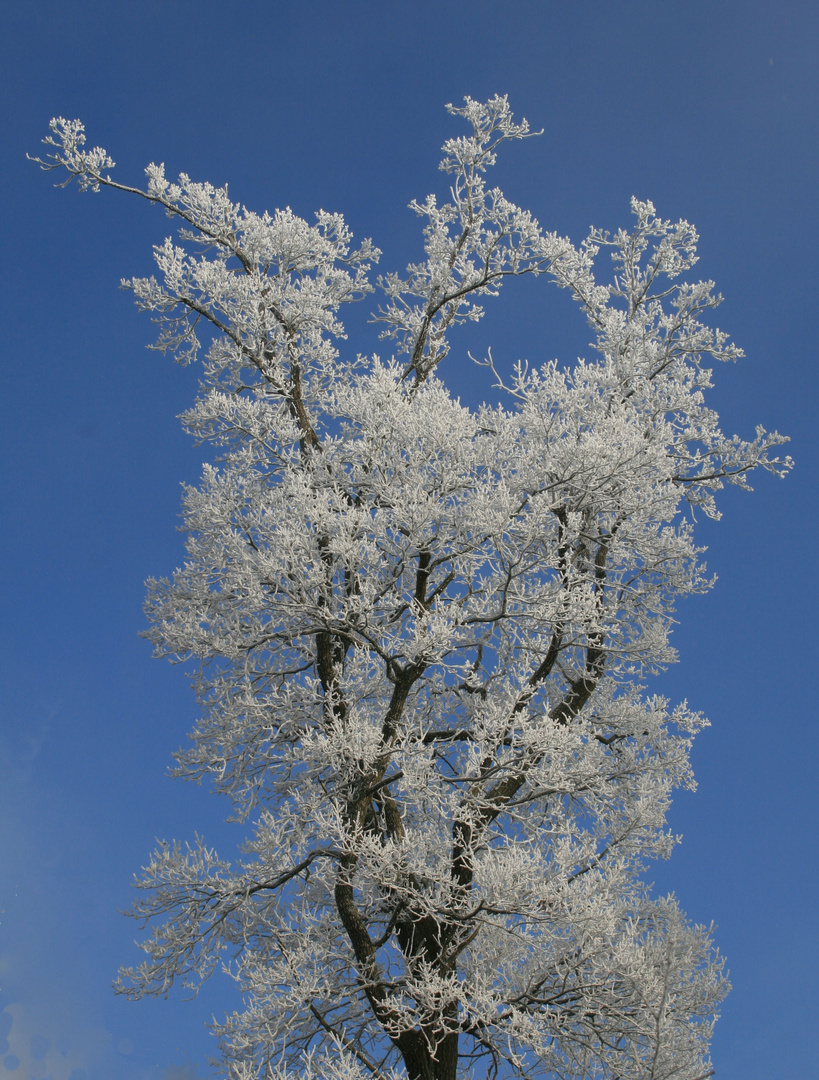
422 634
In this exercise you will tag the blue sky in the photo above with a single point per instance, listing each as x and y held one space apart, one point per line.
707 108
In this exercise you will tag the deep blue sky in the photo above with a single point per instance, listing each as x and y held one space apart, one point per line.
707 108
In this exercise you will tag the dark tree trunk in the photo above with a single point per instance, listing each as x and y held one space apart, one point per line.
421 1065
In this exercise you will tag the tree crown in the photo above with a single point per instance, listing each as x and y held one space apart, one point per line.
422 633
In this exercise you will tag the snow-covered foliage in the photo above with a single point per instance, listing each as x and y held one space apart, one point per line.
422 635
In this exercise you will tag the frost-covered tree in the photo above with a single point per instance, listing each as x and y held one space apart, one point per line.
422 634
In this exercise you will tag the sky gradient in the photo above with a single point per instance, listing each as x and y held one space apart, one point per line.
708 109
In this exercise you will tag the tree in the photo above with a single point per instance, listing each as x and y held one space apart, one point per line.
422 635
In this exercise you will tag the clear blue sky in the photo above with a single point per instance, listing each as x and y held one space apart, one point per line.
707 108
